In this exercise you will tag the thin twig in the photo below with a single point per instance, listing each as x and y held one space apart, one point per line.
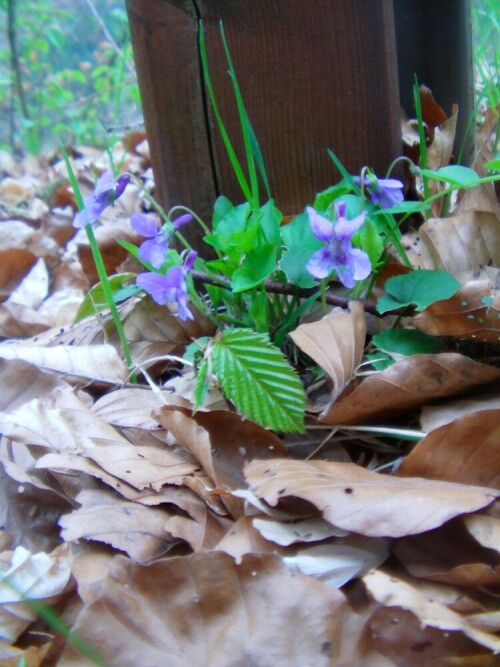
109 36
292 290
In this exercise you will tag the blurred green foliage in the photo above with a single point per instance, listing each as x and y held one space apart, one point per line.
76 72
486 26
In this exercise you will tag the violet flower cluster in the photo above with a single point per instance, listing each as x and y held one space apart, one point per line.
338 254
169 288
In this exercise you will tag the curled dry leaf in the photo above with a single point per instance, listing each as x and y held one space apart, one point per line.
472 313
434 416
392 592
23 577
205 606
449 555
362 501
336 343
337 563
464 451
462 243
127 526
222 442
304 530
408 384
94 362
484 529
243 538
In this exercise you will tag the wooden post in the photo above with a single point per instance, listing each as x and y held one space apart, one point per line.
313 76
434 41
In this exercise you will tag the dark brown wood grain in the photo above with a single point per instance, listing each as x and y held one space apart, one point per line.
313 76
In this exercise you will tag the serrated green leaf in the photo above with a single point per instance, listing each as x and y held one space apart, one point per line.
201 386
257 378
422 287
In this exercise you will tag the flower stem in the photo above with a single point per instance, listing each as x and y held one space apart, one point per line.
108 294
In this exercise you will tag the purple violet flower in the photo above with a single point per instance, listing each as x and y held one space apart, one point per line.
351 264
106 192
154 249
386 192
171 288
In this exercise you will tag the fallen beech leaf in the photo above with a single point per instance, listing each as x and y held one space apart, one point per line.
222 442
127 526
205 606
465 451
200 533
95 362
21 382
24 576
17 321
434 416
362 501
304 530
407 384
432 114
337 563
15 264
243 538
34 287
484 529
336 343
130 407
472 313
449 555
393 592
462 243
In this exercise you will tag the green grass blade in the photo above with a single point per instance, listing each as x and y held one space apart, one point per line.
244 122
247 192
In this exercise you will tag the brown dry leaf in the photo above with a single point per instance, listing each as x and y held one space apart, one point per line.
462 243
205 607
432 114
15 264
131 407
290 532
34 287
152 331
21 382
336 343
203 533
362 501
465 451
65 425
338 562
243 538
408 384
222 442
484 529
433 417
127 526
24 576
449 555
472 313
18 321
392 592
94 362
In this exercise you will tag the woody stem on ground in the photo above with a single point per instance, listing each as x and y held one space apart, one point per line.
292 290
